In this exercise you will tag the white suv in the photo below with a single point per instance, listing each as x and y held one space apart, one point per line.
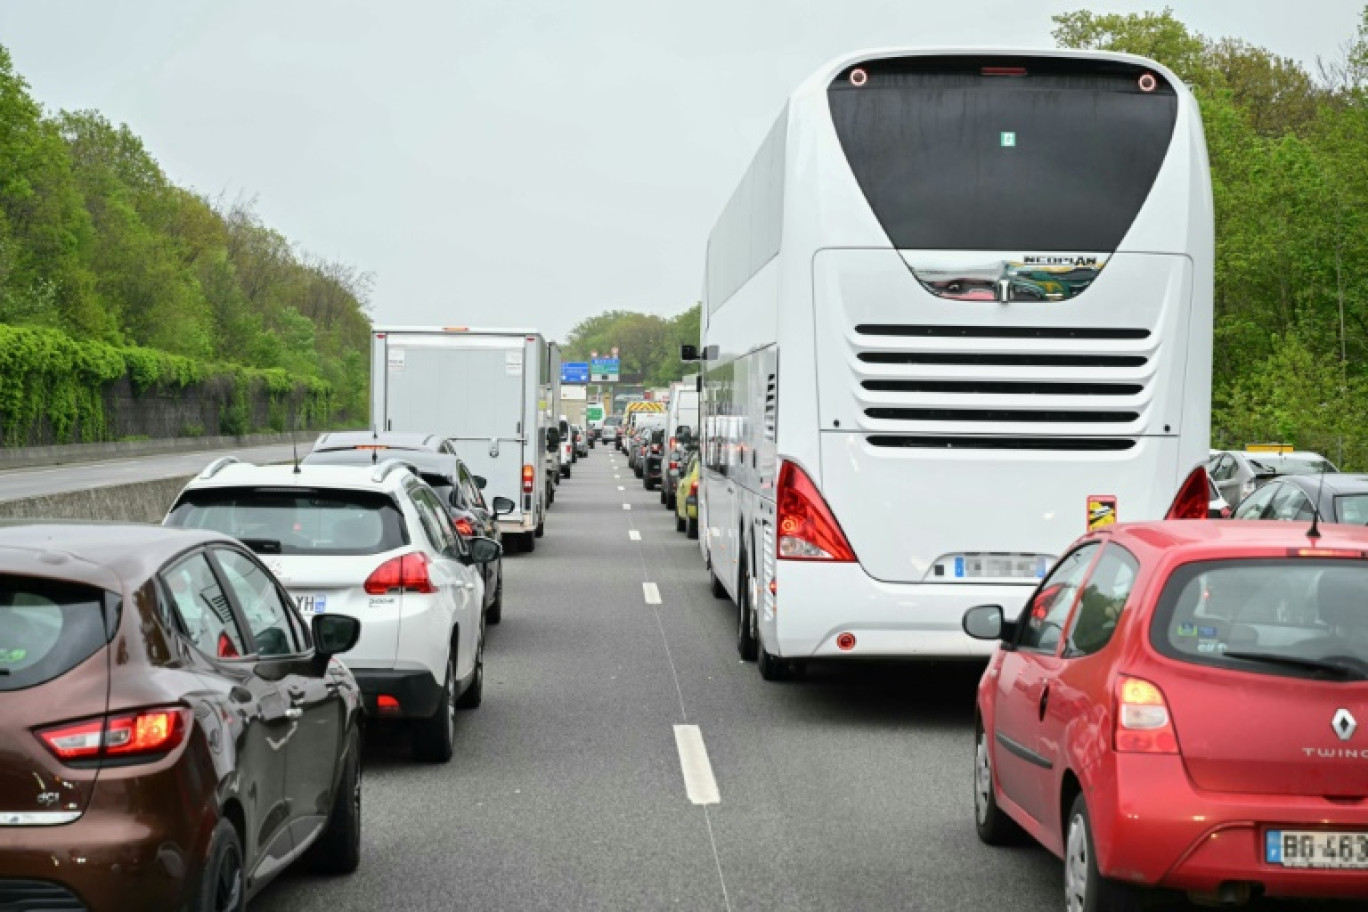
373 542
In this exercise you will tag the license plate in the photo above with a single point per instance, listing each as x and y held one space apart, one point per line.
311 604
994 566
1316 849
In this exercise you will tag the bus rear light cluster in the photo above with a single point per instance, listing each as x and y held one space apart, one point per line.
807 529
858 77
1148 83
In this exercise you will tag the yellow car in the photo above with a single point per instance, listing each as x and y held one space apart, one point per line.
686 499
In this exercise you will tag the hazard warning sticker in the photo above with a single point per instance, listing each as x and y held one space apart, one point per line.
1101 510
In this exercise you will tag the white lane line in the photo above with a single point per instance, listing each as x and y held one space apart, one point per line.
621 488
634 535
693 760
626 506
651 591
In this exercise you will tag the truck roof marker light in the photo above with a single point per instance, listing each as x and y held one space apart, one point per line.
455 329
1148 83
858 77
379 335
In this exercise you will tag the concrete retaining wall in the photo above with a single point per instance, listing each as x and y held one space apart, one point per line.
145 501
27 457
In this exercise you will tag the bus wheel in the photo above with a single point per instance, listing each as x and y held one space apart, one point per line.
746 621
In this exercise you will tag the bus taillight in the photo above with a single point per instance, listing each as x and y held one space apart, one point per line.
807 529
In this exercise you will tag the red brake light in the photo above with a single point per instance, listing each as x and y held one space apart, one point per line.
655 448
693 488
1143 722
1003 71
407 573
147 732
463 526
1193 500
807 530
673 465
529 476
672 443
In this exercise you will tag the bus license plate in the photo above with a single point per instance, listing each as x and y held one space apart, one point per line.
1316 849
311 604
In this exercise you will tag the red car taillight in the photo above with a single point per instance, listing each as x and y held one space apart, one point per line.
807 530
407 573
655 448
674 466
1143 722
463 526
693 488
529 477
144 733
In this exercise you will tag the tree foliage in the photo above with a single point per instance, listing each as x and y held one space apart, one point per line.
1290 186
648 345
97 243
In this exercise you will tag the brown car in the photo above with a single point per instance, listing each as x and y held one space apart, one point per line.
171 734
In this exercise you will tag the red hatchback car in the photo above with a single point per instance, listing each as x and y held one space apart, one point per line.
1184 705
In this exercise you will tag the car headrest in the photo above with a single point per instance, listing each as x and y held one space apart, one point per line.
1342 597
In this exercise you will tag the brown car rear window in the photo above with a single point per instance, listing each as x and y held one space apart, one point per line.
48 627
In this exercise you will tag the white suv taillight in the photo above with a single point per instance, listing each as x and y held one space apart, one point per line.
807 530
406 573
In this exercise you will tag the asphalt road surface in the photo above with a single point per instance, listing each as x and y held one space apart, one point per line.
19 483
847 790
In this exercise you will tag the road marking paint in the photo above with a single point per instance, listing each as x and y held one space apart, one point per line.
699 782
626 506
652 593
634 535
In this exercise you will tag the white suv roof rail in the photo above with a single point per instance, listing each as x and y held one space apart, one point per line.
218 465
383 470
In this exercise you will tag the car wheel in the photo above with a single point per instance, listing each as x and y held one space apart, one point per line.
474 694
541 529
693 529
1086 890
680 524
994 827
338 848
494 613
664 501
745 619
434 737
223 884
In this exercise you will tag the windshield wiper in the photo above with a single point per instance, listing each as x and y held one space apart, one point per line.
262 545
1338 669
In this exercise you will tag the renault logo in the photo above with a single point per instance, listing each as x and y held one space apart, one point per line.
1344 724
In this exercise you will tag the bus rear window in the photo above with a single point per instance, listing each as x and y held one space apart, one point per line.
1004 154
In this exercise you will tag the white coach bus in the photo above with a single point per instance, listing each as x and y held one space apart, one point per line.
958 310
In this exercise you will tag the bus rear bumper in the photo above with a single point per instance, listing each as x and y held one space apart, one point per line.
816 604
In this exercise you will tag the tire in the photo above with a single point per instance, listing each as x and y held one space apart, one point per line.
494 613
338 849
541 529
994 827
718 590
223 882
745 619
664 500
435 737
474 694
1086 890
529 542
680 523
693 529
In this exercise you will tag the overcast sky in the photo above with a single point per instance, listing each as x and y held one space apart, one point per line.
508 162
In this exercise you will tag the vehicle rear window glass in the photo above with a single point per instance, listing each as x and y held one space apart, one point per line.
1311 466
297 520
1290 617
1059 158
1352 509
48 627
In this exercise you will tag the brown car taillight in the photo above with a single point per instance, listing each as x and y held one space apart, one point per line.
145 733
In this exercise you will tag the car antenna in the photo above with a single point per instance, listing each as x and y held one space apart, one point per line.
1314 532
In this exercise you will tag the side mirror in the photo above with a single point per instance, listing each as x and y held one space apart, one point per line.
455 497
503 506
688 353
480 481
485 550
334 633
983 622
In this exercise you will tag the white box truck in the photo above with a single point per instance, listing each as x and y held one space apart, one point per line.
489 392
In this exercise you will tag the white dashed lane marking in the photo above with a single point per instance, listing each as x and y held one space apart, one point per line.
699 782
634 535
651 591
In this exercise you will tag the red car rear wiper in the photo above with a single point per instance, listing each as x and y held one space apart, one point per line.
1339 669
